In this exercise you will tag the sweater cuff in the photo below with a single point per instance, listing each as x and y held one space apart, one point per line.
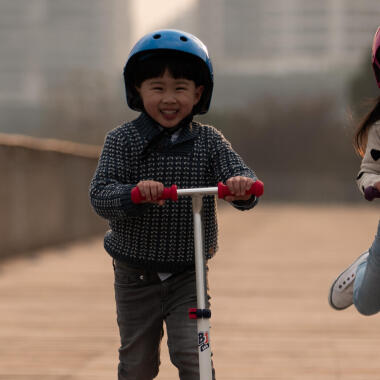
246 205
131 208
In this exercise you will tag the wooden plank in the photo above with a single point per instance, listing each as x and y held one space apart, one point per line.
269 285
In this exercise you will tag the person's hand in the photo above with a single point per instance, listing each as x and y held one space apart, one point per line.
238 187
377 185
151 191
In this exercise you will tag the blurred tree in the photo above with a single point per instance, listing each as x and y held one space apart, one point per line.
301 150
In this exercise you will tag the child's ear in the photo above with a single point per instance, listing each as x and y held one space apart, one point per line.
198 93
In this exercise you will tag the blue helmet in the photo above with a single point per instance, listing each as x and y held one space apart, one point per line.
169 40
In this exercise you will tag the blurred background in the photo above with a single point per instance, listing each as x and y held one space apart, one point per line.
292 78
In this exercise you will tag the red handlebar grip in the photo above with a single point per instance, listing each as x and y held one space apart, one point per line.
168 193
256 189
136 195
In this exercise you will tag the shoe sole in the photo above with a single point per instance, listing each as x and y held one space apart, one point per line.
332 286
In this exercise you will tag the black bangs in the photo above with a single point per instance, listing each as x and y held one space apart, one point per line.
180 65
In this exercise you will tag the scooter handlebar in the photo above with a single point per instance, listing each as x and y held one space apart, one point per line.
168 193
370 193
256 189
222 190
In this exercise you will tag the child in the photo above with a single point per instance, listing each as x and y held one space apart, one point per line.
168 77
360 282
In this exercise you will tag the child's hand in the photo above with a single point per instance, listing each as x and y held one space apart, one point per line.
377 185
238 186
151 191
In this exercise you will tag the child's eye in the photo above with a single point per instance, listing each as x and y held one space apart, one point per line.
181 88
157 88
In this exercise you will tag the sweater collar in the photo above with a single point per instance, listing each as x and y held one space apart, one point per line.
149 128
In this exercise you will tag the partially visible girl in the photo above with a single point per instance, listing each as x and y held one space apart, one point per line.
359 284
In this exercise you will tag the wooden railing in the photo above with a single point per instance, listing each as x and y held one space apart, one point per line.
44 193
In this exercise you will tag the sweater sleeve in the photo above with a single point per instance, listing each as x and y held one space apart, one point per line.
110 192
369 173
227 163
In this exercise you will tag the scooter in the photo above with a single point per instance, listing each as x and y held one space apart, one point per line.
201 313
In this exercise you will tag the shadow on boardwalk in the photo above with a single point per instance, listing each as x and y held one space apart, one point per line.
269 284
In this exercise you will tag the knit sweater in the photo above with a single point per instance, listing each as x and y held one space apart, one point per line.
370 166
161 237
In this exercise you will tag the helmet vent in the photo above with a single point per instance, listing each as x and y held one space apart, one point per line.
157 36
183 38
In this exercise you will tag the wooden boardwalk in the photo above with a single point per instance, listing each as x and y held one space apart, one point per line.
269 284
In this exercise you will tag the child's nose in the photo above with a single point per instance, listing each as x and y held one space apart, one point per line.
169 97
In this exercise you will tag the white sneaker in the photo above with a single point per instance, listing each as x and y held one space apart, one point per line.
342 290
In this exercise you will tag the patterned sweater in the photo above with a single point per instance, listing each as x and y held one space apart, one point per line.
161 237
370 166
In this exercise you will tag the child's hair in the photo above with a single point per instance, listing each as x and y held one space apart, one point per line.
361 132
179 64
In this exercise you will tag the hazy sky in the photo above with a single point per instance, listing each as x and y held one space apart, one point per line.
151 14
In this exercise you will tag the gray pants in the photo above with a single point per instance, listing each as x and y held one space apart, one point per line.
367 281
144 303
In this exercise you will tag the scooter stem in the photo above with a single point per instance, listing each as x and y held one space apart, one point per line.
203 324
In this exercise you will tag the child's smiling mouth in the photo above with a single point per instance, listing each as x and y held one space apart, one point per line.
169 112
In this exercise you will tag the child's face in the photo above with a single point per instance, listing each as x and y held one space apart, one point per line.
168 100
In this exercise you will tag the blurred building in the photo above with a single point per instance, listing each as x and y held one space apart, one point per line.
44 41
271 36
288 48
258 47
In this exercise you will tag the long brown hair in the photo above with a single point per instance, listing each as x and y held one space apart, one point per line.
361 132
